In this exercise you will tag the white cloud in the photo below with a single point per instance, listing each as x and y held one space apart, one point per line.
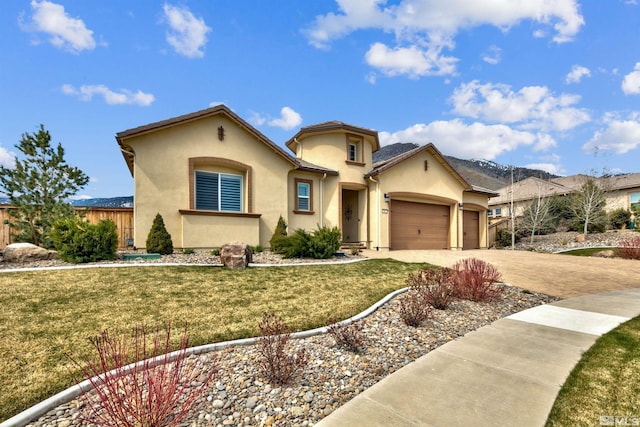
547 167
493 55
631 82
288 119
188 34
577 73
456 138
257 119
532 107
86 93
412 61
80 197
621 135
423 28
64 32
7 158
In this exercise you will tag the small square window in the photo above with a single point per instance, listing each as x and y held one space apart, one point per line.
634 202
498 212
353 152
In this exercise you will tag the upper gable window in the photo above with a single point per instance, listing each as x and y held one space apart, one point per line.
354 150
218 192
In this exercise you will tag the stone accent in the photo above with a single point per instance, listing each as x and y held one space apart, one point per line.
236 255
608 253
26 252
581 238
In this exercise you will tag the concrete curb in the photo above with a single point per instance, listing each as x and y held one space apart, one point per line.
176 264
65 396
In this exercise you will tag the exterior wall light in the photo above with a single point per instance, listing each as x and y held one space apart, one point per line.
461 206
387 199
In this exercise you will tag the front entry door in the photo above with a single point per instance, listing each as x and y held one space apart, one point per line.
350 219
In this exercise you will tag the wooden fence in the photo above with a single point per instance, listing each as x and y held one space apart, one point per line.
503 224
123 217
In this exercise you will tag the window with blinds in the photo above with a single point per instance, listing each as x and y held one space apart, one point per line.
218 192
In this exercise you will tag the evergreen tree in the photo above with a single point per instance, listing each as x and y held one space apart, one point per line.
279 233
39 187
159 240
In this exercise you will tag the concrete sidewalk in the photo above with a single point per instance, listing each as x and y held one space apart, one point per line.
505 374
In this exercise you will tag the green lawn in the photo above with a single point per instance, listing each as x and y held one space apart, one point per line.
47 315
605 383
585 251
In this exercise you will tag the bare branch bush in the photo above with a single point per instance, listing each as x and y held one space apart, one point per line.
435 285
349 336
139 382
277 362
475 280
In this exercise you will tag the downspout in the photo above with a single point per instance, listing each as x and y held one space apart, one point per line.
378 210
321 199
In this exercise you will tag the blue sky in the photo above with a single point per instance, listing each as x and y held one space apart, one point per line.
547 84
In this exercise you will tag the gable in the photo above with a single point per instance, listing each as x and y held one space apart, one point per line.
218 133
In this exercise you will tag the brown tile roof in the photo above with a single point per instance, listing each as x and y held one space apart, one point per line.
332 126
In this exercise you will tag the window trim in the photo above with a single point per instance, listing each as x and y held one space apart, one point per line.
358 142
245 170
297 209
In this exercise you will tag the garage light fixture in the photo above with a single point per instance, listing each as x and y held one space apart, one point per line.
461 206
387 198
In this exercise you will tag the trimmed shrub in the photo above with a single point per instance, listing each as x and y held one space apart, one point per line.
474 280
78 241
348 336
279 233
629 248
324 242
159 240
276 361
188 251
435 285
413 307
257 249
321 244
503 238
619 218
159 391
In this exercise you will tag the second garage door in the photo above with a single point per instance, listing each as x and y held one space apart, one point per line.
419 225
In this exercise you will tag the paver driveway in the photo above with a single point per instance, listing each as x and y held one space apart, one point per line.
563 276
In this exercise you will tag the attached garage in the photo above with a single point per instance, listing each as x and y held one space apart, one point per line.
419 225
471 228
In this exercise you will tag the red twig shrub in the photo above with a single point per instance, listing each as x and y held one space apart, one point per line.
474 280
414 308
157 391
348 336
629 248
436 285
276 362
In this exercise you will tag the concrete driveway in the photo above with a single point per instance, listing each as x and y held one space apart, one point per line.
562 276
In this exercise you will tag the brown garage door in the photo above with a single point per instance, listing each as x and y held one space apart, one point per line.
419 225
471 227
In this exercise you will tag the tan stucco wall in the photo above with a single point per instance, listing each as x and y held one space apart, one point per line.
304 221
162 179
435 185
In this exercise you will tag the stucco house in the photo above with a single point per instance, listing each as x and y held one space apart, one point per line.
214 178
621 192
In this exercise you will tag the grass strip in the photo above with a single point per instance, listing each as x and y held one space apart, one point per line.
604 383
48 314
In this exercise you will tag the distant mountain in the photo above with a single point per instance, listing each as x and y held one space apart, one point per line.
112 202
482 173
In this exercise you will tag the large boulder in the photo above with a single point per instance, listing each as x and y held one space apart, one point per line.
236 255
26 252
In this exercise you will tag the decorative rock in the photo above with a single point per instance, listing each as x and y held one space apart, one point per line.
581 238
609 253
236 255
26 252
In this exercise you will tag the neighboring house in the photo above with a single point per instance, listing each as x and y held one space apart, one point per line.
214 178
621 192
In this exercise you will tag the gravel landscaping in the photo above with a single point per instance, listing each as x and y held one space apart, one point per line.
240 396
